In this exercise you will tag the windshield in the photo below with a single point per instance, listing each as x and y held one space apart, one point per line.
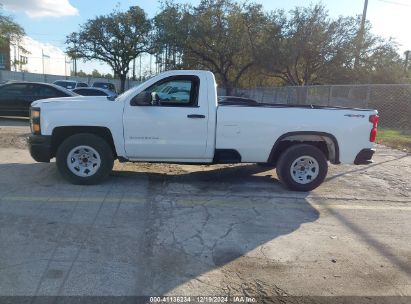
66 84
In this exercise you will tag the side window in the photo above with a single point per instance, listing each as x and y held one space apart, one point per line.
16 89
44 91
82 85
60 93
99 93
80 91
90 92
179 91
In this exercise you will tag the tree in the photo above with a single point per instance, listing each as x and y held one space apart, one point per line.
308 47
11 34
115 39
379 62
96 74
297 48
170 32
81 73
10 31
219 40
214 35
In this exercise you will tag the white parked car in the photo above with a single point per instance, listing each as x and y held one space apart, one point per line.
140 126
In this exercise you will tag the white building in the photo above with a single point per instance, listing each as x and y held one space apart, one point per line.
41 58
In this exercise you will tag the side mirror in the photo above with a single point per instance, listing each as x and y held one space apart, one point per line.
142 99
155 99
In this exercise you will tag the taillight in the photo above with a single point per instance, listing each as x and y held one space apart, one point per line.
374 120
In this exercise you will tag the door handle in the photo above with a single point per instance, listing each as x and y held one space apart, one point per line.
195 116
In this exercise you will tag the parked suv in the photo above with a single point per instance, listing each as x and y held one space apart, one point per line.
70 85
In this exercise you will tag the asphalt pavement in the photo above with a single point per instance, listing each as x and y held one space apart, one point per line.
205 230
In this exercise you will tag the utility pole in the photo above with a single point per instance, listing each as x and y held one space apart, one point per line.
42 59
134 69
15 58
150 64
360 37
141 76
74 55
18 56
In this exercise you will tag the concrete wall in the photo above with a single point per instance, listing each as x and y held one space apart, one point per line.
24 76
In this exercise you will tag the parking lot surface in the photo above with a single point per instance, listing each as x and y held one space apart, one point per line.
156 229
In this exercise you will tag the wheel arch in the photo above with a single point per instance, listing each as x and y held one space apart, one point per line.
326 142
59 134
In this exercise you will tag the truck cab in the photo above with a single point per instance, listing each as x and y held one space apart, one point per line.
169 126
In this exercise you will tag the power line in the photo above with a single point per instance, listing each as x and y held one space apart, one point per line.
59 41
44 34
395 3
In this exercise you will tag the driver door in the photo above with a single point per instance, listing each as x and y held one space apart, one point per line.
170 125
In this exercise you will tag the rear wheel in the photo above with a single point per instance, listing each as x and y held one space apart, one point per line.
302 167
84 159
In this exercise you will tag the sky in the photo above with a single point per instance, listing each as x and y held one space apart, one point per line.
50 21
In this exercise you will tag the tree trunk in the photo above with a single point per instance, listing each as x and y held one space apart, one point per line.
228 89
122 82
227 86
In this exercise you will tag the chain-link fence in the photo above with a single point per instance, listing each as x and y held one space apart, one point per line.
23 76
392 101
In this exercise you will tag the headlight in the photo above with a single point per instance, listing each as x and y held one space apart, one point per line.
35 120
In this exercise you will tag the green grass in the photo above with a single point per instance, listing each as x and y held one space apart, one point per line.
394 138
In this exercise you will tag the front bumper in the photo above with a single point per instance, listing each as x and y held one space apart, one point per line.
40 147
364 157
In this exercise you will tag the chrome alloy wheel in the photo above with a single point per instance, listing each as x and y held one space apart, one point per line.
83 161
304 169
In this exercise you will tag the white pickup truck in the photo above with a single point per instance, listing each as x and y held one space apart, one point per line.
189 125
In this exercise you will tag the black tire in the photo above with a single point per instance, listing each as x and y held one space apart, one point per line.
290 155
98 144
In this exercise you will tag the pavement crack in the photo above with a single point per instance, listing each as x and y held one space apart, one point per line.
256 211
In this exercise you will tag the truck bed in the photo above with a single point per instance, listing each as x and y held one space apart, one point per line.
252 128
246 102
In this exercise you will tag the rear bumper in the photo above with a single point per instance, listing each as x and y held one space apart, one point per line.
364 157
40 147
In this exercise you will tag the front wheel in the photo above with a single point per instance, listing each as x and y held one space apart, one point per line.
84 159
302 167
